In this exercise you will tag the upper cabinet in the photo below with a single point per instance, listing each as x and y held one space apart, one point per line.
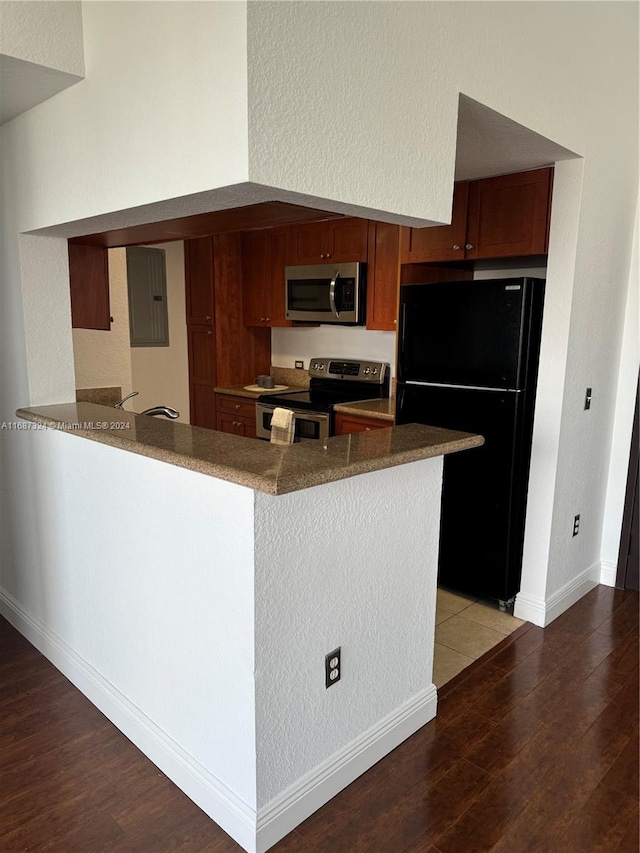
89 284
509 215
198 264
501 217
339 240
442 242
264 257
383 276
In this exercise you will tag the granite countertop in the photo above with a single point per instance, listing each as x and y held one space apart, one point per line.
241 391
384 410
258 465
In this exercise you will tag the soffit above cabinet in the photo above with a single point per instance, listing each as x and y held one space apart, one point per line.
249 217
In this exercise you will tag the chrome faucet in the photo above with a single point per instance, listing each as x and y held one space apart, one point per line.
124 399
167 411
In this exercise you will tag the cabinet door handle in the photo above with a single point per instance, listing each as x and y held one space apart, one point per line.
208 317
469 246
456 248
209 333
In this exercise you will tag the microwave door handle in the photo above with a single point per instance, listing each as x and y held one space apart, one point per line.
332 295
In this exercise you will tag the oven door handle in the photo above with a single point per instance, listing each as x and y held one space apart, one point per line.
332 295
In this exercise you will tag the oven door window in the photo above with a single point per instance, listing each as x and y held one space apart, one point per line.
304 429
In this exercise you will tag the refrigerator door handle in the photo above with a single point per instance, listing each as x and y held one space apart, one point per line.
400 392
462 387
402 366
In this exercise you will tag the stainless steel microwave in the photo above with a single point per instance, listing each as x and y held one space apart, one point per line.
326 293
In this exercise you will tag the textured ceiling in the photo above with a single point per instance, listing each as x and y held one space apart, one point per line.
492 144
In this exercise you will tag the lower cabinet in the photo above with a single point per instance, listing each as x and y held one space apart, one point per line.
202 375
346 424
235 415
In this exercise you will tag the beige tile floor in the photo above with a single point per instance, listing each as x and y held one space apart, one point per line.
465 629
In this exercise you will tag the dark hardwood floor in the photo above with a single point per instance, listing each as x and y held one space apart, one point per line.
535 748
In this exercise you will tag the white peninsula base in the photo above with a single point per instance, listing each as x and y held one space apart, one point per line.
198 613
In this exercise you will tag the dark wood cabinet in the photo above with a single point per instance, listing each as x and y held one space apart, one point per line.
346 424
242 353
198 261
222 350
89 284
264 257
442 242
202 373
383 276
501 217
236 415
339 240
508 216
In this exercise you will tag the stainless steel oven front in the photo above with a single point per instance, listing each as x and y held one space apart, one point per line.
308 426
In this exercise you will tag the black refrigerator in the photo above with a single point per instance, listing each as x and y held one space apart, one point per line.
468 360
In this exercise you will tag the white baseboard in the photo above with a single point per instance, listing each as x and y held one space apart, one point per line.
542 611
317 787
255 833
608 573
530 608
214 798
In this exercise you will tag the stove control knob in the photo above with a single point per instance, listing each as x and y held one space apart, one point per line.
375 371
315 365
321 366
367 370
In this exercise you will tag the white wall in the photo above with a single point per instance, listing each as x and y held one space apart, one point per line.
623 425
287 345
146 609
102 358
161 374
338 574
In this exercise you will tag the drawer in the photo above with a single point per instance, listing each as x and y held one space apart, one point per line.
236 425
236 406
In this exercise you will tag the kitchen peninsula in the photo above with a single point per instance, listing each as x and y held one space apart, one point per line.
199 615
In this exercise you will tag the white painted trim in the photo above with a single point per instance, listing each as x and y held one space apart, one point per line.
314 789
531 608
572 592
542 611
214 798
608 573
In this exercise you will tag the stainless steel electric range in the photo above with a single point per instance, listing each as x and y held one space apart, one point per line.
332 381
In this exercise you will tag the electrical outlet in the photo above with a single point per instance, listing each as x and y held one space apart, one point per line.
587 399
332 667
576 524
299 365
